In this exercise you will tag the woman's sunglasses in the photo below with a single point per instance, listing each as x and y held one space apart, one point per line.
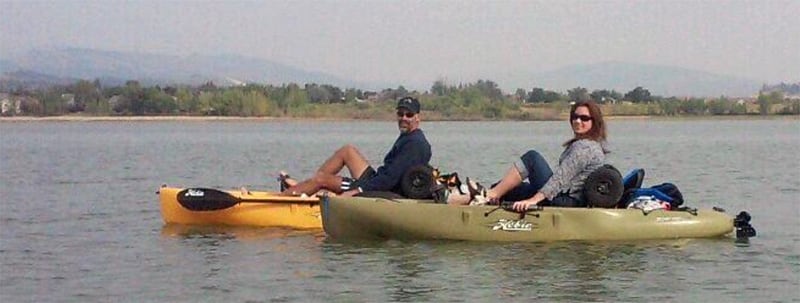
408 115
584 118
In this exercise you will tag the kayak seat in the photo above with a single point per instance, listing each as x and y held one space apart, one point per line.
603 187
418 182
631 182
633 179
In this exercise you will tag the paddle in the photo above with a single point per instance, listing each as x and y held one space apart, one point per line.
209 199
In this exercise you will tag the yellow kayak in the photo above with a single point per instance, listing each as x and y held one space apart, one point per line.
205 206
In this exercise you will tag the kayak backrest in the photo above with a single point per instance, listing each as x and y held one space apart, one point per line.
417 182
631 182
603 187
633 179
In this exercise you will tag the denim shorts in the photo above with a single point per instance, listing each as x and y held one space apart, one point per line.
533 167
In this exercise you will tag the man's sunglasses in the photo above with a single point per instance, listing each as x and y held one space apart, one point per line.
408 115
584 118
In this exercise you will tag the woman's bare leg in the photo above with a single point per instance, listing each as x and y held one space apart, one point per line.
509 181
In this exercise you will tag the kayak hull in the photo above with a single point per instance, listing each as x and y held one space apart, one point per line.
374 218
271 210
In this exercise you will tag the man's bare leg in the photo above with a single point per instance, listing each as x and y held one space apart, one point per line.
314 184
327 175
346 156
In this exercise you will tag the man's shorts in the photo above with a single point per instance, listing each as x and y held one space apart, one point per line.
350 183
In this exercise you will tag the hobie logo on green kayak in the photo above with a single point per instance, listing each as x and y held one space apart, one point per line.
194 193
513 225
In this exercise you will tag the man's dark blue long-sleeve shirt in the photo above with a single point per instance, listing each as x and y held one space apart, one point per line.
409 150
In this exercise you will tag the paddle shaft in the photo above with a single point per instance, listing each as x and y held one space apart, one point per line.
209 199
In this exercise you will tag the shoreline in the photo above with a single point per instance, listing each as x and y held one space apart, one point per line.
264 119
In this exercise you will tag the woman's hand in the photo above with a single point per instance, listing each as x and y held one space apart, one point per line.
522 206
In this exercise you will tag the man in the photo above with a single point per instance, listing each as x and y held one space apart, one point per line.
410 149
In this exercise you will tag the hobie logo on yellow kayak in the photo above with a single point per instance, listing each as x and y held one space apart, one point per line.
194 193
513 225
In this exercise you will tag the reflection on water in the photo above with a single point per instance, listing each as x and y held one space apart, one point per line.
432 271
240 233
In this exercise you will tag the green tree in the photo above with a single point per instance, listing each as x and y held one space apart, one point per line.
670 106
439 88
693 106
318 94
205 103
296 98
489 89
638 95
540 95
52 103
578 94
605 96
521 94
765 101
719 106
86 94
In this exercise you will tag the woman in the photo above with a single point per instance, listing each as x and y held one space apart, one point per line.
563 186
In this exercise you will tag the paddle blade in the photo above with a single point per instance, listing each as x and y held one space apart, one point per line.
206 199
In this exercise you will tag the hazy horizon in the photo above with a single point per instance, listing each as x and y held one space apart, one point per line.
416 43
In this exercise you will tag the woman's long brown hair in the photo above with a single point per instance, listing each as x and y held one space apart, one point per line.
598 130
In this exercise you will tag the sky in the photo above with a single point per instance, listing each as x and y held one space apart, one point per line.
419 42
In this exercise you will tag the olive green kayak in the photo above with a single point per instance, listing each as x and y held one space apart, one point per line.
377 218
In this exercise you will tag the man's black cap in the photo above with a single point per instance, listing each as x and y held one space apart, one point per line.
409 103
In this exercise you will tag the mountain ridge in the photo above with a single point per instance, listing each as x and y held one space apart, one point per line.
658 79
116 67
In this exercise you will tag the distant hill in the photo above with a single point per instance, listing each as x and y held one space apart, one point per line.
659 80
29 79
58 66
114 68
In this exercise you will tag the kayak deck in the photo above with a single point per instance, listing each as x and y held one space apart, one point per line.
264 209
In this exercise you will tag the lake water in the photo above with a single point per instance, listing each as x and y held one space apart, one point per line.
80 221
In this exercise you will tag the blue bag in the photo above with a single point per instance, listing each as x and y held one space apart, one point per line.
666 192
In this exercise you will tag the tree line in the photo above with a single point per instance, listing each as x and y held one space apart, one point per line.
466 101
